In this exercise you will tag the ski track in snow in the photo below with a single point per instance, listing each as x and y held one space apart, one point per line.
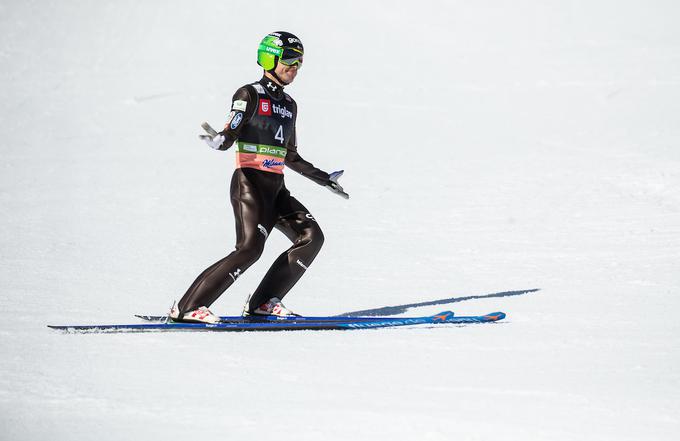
489 148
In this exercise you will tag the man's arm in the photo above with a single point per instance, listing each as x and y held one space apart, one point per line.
242 109
295 162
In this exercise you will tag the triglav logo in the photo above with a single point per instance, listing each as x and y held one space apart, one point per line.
281 110
264 108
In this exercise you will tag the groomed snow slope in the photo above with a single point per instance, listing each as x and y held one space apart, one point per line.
517 156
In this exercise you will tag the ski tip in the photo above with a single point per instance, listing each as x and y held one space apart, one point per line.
443 316
495 316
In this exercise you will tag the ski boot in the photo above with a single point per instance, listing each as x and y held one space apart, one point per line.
200 315
272 307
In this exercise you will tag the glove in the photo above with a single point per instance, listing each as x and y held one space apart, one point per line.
333 185
213 139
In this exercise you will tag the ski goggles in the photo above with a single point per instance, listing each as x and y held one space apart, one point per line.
291 57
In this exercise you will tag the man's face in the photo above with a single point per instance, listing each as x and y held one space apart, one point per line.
286 73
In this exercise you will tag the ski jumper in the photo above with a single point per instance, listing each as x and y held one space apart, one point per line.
262 124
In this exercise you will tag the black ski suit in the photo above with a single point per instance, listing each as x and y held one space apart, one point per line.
262 123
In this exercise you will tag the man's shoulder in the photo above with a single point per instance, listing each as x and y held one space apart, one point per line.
254 90
289 99
251 88
257 87
249 92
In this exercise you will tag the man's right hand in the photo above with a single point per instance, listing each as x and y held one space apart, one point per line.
213 139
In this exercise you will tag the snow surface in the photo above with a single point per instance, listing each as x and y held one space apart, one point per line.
518 156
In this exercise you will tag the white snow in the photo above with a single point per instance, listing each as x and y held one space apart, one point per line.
489 147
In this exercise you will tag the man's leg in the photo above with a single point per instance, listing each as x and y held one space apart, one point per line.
307 237
252 229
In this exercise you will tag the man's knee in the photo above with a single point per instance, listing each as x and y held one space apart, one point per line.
316 235
310 241
250 251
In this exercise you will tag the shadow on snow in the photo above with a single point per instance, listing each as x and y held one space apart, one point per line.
400 309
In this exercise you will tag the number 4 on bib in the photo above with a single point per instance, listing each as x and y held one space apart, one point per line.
279 135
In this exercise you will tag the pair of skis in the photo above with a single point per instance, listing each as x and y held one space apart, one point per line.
272 323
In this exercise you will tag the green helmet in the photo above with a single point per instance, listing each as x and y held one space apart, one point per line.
279 46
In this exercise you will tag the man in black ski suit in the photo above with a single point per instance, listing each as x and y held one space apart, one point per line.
262 124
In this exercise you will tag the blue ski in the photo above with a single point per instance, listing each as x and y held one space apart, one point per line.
272 318
286 325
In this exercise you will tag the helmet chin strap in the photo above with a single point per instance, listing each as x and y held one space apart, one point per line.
280 81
